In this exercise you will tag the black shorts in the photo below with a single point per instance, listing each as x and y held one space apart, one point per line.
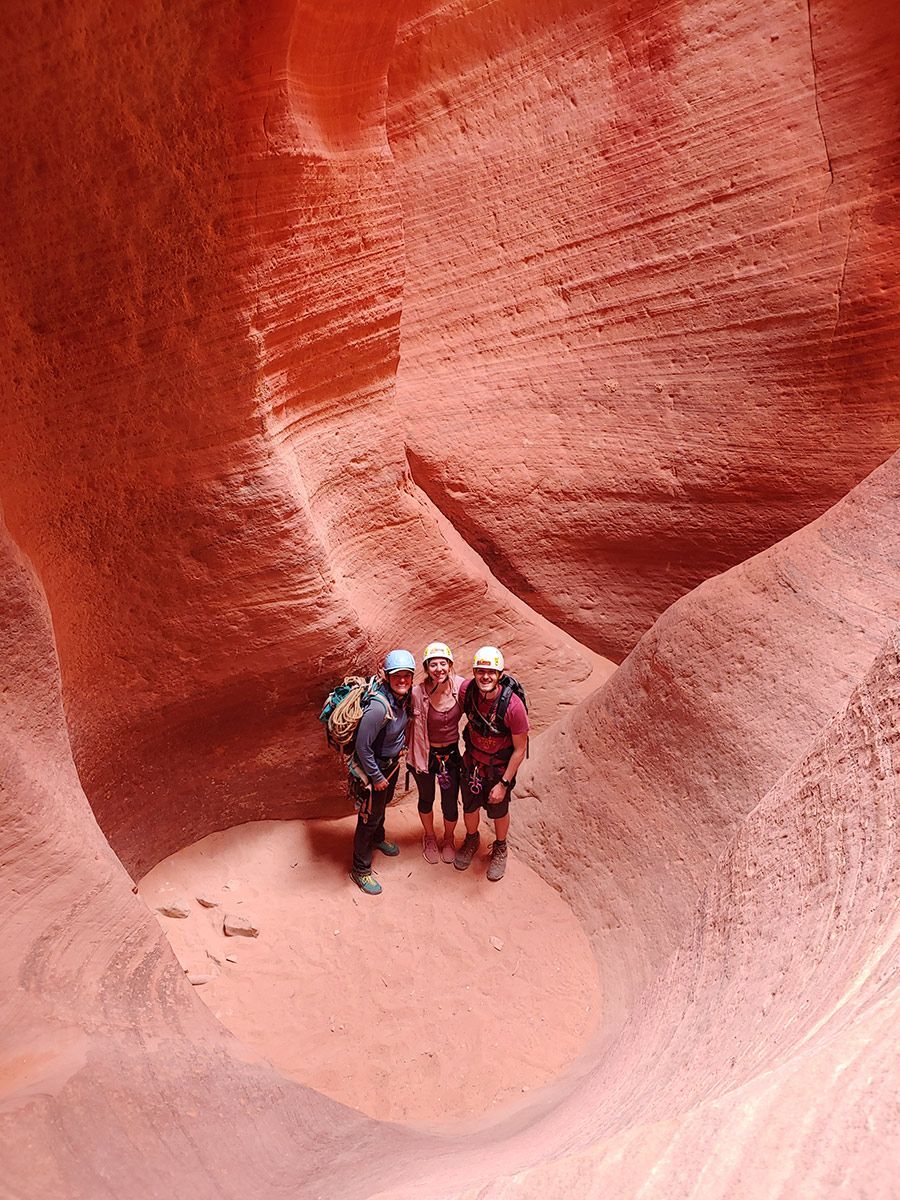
477 779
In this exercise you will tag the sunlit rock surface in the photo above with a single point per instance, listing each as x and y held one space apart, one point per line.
653 245
332 326
204 456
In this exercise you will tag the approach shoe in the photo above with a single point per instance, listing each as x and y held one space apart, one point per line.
467 851
448 851
497 866
391 849
430 849
366 882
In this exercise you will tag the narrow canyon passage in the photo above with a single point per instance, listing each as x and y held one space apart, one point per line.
446 997
573 327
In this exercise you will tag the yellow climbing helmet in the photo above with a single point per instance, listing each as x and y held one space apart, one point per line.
437 650
488 658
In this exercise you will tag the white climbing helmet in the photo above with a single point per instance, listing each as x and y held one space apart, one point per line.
488 658
437 650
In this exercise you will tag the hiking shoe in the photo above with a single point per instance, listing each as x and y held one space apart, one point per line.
391 849
448 851
497 866
366 882
466 852
430 849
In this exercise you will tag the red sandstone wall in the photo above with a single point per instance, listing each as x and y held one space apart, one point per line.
637 793
114 1078
653 245
763 1060
765 1047
203 458
206 292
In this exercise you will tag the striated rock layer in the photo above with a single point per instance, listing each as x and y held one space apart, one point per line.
641 787
114 1078
203 458
760 1060
224 229
654 245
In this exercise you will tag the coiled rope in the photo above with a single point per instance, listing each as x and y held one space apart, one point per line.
347 714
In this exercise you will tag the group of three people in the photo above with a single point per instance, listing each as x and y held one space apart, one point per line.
425 718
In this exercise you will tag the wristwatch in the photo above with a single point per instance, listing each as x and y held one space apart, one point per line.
507 783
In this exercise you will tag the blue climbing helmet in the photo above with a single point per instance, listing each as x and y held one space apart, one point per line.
398 660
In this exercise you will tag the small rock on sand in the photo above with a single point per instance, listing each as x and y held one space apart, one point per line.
197 979
236 925
207 901
177 908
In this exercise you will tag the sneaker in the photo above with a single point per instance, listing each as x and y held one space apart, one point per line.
366 882
391 849
466 852
497 866
430 849
448 851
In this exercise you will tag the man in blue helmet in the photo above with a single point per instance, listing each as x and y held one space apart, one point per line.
379 742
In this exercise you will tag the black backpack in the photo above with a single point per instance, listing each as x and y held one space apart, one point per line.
509 686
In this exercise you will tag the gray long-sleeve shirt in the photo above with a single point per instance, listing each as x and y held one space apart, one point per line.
380 738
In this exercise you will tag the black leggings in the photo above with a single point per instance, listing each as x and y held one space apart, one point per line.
448 758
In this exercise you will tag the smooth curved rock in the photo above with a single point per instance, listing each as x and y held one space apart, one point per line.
812 957
112 1076
643 785
654 245
216 498
207 465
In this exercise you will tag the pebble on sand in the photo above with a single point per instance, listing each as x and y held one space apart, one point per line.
236 925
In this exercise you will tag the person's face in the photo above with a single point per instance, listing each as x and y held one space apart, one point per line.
438 669
400 682
485 680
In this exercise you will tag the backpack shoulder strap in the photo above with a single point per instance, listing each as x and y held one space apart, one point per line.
375 693
506 693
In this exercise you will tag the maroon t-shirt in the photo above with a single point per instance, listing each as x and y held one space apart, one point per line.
443 727
486 749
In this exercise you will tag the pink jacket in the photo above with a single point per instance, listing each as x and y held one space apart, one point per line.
417 745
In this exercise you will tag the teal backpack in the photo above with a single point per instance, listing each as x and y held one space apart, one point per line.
344 708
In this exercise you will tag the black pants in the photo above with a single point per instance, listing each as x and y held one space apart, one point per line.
370 822
448 756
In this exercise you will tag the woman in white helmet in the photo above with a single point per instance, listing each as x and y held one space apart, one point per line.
433 748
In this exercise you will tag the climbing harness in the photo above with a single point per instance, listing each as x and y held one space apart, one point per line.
443 771
361 790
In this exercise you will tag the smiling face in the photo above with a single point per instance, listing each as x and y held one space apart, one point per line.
438 669
400 682
486 680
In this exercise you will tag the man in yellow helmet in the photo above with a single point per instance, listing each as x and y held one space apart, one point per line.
496 738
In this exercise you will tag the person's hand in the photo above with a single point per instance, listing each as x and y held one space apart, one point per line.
380 785
498 794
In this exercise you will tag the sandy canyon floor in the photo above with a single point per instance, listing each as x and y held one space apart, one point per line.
443 998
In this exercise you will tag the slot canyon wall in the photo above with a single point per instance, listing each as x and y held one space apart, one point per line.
657 243
330 325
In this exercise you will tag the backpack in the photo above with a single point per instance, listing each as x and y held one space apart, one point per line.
509 686
344 708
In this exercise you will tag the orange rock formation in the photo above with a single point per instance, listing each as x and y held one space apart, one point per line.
331 325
